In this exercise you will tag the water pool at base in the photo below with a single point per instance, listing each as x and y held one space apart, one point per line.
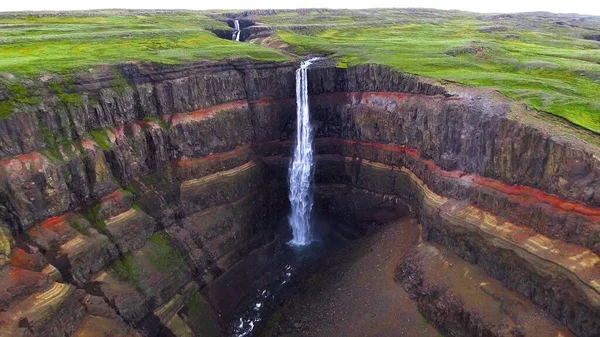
293 265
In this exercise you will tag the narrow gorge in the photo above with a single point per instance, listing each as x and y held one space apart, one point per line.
152 206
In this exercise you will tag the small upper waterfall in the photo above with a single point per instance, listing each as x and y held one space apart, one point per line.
301 169
236 33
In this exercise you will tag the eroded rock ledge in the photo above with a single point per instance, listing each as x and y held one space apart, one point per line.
149 202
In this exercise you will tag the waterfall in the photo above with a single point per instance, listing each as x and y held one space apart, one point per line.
301 169
236 33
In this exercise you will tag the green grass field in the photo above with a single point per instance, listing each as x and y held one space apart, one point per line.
549 66
539 59
32 45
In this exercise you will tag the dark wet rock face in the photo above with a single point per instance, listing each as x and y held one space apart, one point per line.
592 37
223 33
151 209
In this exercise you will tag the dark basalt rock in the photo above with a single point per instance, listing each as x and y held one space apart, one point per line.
592 37
254 32
223 33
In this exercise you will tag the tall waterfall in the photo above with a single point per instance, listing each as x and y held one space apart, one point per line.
236 33
301 169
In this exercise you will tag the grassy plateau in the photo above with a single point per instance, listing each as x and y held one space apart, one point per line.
35 44
549 61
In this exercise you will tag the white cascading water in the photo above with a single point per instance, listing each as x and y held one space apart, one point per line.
236 33
301 169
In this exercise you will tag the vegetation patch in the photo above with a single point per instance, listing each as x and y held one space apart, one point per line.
121 84
200 317
162 255
494 29
52 154
53 144
127 270
65 92
6 109
162 123
101 138
129 189
18 96
93 216
80 226
472 48
70 99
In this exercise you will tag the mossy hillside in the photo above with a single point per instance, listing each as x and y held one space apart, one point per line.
531 59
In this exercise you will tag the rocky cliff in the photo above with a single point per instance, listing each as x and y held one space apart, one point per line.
147 205
138 207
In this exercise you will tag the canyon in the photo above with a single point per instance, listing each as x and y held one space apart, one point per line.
149 207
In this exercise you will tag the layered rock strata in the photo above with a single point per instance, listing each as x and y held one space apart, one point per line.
460 296
152 205
151 211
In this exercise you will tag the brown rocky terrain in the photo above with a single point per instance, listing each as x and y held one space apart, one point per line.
149 208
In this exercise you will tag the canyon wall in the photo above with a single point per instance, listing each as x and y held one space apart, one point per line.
148 207
142 208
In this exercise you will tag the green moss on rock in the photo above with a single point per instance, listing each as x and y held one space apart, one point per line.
201 318
162 255
127 270
81 226
342 65
6 109
164 125
19 96
65 92
120 84
93 216
101 138
70 99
